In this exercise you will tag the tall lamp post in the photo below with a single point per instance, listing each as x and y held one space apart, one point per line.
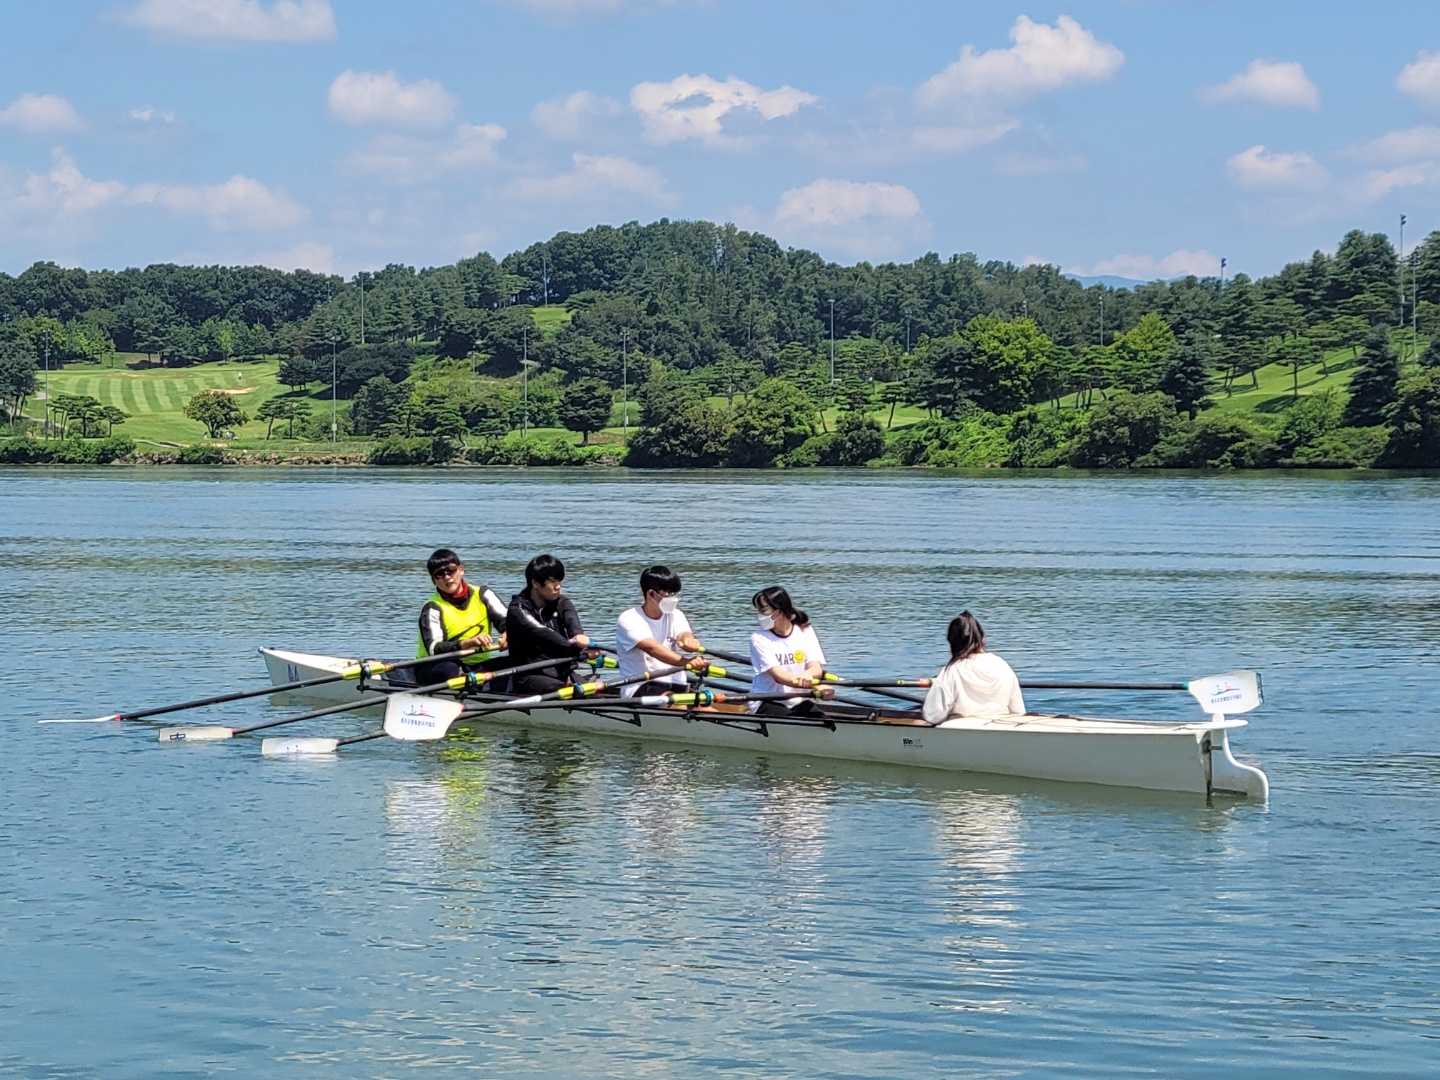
47 384
525 382
1402 277
832 342
625 387
334 407
907 330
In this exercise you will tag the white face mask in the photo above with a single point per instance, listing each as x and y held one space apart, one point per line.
669 604
767 622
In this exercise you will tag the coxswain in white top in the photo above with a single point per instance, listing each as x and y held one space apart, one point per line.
975 683
785 653
649 635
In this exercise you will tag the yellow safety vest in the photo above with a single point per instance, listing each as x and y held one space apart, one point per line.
460 623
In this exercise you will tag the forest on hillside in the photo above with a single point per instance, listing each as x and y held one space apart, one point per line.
737 351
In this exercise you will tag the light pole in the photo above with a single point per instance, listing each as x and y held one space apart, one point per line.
1402 277
47 384
1222 274
334 408
832 342
907 330
361 276
624 386
525 382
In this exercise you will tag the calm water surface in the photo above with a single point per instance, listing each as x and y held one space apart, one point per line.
531 904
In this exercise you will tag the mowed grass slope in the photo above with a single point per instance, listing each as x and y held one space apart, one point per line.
156 398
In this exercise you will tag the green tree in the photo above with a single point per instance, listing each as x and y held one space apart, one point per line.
1415 420
1008 362
693 435
585 407
17 376
1375 382
1140 355
296 409
1186 378
1123 429
112 416
376 405
893 394
776 418
1307 421
270 410
216 410
857 439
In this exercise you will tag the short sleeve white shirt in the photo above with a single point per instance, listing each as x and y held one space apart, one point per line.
635 626
790 654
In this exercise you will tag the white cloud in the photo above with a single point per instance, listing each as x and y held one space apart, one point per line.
1148 268
596 177
238 203
64 190
235 20
1275 84
574 116
408 160
693 106
956 140
1412 144
1258 167
306 255
1043 58
1421 78
375 97
40 114
840 202
151 115
1375 185
845 218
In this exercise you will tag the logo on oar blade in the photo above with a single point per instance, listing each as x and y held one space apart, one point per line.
416 719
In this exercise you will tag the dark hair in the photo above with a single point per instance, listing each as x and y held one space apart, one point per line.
777 599
659 578
543 568
966 636
441 559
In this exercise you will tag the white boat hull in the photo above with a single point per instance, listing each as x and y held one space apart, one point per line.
1152 754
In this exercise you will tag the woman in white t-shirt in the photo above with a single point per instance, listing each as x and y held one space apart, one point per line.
648 636
785 653
974 682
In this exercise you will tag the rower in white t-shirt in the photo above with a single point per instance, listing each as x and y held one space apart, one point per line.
648 636
785 653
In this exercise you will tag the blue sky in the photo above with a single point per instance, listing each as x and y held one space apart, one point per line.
1129 137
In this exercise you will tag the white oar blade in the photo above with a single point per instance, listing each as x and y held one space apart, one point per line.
413 718
195 733
1230 693
301 747
85 720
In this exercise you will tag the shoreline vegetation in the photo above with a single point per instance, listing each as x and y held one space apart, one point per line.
692 345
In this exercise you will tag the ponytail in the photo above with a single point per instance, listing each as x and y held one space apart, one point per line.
777 599
966 636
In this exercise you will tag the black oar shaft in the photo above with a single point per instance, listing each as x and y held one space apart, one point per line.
1026 685
353 739
349 706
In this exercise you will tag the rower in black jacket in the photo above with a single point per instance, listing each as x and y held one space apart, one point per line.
543 624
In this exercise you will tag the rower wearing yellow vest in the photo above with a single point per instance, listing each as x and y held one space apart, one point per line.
457 616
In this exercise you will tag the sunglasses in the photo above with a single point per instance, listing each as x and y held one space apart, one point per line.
445 571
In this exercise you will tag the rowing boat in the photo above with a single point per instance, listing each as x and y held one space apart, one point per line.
1163 755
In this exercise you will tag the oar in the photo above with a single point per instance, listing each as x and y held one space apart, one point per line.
305 747
411 717
869 684
354 671
471 681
